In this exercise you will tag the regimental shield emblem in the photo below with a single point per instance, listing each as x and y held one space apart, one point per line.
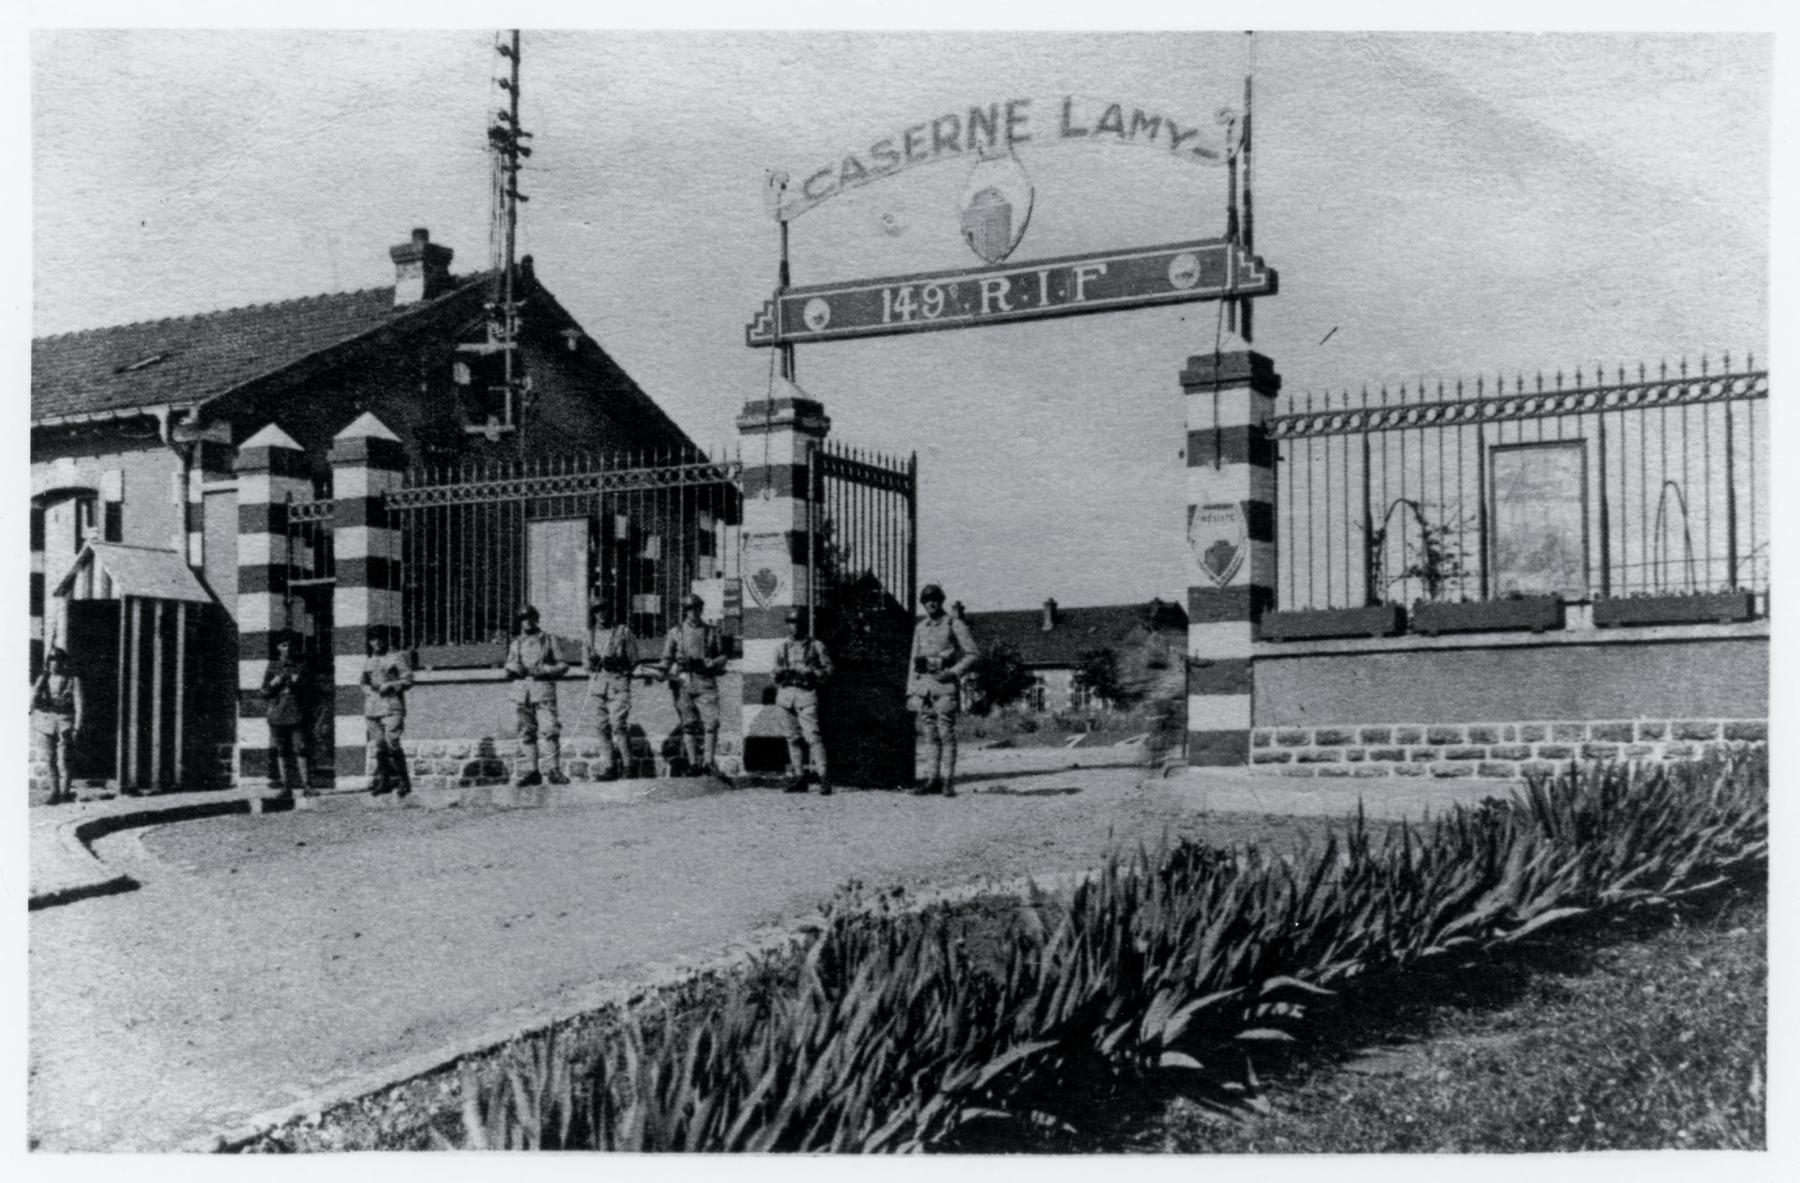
1219 540
996 207
764 560
763 586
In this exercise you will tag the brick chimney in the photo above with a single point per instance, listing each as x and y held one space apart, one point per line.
1049 615
421 269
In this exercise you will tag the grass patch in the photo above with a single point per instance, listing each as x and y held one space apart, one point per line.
1659 1042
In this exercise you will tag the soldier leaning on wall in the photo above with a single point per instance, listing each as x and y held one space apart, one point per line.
533 667
943 650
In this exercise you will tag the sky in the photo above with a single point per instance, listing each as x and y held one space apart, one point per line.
1437 206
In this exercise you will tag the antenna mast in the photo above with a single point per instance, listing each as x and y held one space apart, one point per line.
505 140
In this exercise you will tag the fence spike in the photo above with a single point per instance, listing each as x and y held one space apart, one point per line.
1480 385
1559 378
1621 373
1749 361
1459 392
1725 363
1540 381
1578 377
1703 365
1684 365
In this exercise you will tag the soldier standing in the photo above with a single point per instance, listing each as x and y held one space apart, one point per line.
386 677
290 745
801 666
611 654
693 659
56 711
533 667
943 651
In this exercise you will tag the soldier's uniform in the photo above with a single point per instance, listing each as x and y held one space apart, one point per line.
533 666
386 677
611 653
290 745
801 665
56 709
694 655
943 650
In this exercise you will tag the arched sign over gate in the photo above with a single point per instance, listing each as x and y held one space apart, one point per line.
1230 521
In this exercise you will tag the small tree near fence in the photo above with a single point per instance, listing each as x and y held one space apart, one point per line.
1097 671
1000 678
1436 561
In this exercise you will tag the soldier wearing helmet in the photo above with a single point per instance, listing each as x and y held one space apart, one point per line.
801 667
533 666
56 718
943 650
693 659
611 656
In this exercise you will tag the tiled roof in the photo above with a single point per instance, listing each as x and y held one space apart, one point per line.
1077 630
185 359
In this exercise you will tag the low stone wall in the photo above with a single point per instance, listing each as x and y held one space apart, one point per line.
461 729
1499 751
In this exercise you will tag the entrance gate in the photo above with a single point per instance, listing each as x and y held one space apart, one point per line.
637 533
862 511
311 582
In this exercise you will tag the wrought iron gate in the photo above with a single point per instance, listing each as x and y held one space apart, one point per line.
863 519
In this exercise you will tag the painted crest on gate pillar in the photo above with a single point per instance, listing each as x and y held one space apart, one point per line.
766 568
996 207
1219 539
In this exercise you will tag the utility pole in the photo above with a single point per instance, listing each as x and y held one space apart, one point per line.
506 140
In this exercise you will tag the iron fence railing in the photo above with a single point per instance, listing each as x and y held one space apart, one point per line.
634 531
1589 489
864 522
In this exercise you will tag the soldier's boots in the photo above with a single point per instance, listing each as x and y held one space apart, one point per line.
931 788
824 786
556 777
796 783
383 782
528 779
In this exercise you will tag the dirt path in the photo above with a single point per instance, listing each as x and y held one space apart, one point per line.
267 959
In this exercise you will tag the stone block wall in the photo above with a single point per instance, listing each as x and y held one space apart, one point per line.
1497 751
467 763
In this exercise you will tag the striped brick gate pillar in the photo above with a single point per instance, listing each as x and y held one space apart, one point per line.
1231 533
271 470
777 435
37 590
367 461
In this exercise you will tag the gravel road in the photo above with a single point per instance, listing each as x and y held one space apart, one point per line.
269 958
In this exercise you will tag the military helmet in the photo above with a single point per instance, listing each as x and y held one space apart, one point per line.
694 601
796 616
526 612
930 592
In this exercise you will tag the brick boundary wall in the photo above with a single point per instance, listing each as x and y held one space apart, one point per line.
1498 751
